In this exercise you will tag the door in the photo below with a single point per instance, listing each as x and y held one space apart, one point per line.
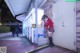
64 24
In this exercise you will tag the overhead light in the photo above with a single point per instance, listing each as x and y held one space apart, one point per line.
0 23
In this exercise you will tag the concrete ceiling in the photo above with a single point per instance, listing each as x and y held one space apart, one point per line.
17 6
20 7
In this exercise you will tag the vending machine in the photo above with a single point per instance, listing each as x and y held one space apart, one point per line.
29 25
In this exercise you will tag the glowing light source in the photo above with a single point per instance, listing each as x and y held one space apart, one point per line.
0 23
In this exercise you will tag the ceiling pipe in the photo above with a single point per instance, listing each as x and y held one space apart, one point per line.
29 5
27 9
42 3
20 14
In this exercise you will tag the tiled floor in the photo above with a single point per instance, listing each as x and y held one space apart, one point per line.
16 46
55 49
21 45
8 34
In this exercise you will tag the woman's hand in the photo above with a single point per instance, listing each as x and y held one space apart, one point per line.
48 27
42 23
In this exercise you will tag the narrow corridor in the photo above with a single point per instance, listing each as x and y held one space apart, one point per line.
60 26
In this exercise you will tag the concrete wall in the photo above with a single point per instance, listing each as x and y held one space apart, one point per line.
63 16
64 24
47 7
78 26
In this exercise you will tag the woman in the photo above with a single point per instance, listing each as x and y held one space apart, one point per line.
49 27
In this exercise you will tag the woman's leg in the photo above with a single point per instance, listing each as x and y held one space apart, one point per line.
50 39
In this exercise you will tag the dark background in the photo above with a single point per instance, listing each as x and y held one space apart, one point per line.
6 17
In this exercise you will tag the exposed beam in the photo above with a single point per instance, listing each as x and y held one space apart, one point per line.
29 5
20 14
27 9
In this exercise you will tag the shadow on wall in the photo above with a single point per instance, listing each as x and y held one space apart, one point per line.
4 29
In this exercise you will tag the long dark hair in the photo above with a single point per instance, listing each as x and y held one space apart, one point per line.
44 16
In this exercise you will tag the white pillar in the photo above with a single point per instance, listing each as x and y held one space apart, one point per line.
36 21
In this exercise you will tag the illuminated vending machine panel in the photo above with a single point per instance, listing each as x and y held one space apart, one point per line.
31 25
24 28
